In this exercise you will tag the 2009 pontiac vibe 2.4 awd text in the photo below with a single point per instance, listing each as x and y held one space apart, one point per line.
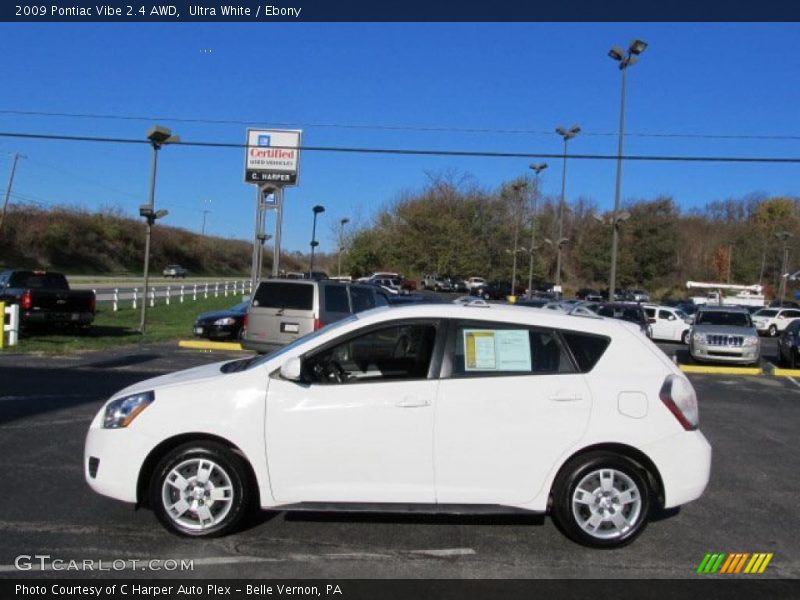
445 408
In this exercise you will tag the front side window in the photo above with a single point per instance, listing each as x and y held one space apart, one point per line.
499 349
396 353
665 314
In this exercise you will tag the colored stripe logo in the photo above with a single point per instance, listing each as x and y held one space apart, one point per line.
735 563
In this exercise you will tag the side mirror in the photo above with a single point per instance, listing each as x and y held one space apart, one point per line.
291 370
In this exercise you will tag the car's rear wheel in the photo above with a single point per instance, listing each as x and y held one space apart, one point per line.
200 490
773 331
602 500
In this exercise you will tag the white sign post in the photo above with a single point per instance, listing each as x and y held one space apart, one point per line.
272 162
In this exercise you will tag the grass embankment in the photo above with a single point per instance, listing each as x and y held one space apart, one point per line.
112 329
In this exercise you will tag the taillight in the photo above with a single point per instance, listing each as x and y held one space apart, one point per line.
317 324
679 397
26 301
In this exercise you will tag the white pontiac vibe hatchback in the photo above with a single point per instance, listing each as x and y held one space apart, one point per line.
470 408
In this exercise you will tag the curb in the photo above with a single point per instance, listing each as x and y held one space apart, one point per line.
722 370
786 372
208 345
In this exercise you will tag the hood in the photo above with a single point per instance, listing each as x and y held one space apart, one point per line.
724 330
179 377
218 314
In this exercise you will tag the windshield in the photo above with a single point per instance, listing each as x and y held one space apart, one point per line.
733 319
301 340
766 312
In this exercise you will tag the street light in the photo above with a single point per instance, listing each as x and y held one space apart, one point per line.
342 223
625 60
158 136
784 236
567 134
537 169
517 187
314 243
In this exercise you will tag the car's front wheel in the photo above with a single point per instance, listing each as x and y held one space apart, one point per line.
602 500
200 490
773 331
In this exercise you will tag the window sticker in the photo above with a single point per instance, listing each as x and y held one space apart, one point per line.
497 350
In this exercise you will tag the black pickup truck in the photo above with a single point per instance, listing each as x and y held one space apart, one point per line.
44 298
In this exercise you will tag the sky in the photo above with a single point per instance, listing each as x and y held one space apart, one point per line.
381 85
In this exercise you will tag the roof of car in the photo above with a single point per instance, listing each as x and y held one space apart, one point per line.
506 313
724 308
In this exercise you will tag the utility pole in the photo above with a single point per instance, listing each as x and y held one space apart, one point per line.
537 169
784 236
17 156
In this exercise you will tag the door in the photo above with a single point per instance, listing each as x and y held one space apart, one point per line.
670 327
512 404
359 428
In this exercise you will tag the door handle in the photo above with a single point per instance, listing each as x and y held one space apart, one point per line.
410 402
566 397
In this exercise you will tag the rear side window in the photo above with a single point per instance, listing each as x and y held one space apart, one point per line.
363 298
336 299
283 294
491 349
30 279
586 348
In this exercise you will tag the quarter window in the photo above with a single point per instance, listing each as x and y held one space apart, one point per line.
363 298
336 299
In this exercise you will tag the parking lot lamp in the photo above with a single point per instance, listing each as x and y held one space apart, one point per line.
784 236
314 243
567 134
342 223
537 169
518 189
625 60
158 136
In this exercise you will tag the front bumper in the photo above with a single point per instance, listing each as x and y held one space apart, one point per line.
744 355
112 460
216 332
684 463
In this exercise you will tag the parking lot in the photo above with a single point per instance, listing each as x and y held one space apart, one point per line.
47 508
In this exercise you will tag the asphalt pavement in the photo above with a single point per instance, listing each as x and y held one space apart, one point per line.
46 508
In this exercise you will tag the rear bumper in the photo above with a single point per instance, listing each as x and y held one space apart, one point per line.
684 463
41 317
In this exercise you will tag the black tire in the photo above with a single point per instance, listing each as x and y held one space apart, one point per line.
225 462
792 358
628 476
685 338
773 331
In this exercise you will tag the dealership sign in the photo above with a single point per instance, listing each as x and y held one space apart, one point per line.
272 156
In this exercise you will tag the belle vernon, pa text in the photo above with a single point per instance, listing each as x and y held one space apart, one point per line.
126 589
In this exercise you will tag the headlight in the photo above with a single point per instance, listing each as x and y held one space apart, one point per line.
225 321
122 411
750 341
699 338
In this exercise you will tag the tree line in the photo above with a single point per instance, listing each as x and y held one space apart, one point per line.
454 227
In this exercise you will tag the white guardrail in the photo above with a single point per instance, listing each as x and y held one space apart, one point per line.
177 293
12 328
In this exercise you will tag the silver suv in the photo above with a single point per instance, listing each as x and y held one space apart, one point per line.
283 310
724 334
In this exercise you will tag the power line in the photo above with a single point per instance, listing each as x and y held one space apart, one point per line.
383 127
423 152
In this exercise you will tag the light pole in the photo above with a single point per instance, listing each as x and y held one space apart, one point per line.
17 156
517 187
158 136
567 134
203 230
537 169
614 219
625 60
784 236
342 223
314 243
